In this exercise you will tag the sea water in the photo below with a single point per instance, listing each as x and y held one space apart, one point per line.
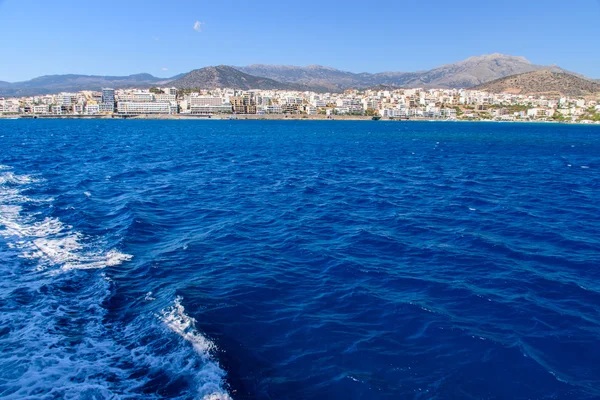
299 260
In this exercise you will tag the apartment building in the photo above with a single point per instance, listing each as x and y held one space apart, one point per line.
243 104
131 107
41 109
108 101
92 109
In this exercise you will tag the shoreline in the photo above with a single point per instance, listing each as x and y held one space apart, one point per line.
267 117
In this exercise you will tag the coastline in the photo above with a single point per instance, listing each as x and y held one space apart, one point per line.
266 117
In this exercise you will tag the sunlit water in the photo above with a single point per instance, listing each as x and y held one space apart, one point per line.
299 260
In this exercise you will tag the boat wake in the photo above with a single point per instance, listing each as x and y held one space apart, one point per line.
210 379
54 330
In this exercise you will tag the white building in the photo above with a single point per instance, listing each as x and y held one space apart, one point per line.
273 109
165 97
91 109
225 108
311 110
348 103
41 109
205 105
137 96
206 101
131 107
293 100
66 99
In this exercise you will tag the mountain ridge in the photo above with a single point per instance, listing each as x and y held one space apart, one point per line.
468 73
48 84
209 78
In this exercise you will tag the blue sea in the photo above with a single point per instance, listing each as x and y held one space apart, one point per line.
299 260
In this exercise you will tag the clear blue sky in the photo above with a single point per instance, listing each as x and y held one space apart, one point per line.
110 37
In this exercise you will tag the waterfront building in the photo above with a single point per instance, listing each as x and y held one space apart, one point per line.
59 110
41 109
273 109
92 108
450 113
130 107
66 99
243 104
10 106
310 110
205 105
108 95
108 101
208 110
206 101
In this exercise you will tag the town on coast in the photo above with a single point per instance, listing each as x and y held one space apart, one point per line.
228 103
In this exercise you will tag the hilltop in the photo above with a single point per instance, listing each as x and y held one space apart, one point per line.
224 76
542 83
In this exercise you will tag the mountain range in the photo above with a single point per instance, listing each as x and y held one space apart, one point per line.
463 74
73 83
468 73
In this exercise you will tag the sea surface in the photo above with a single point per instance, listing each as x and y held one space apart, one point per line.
299 260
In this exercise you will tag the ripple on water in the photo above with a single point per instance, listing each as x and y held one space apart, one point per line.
329 260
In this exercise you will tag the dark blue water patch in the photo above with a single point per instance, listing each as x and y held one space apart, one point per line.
318 259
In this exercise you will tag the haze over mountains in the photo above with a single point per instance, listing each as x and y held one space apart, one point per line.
468 73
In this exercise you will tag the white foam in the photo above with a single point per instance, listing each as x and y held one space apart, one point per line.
50 241
49 353
210 378
53 243
11 178
11 195
179 322
98 261
114 258
58 346
149 297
